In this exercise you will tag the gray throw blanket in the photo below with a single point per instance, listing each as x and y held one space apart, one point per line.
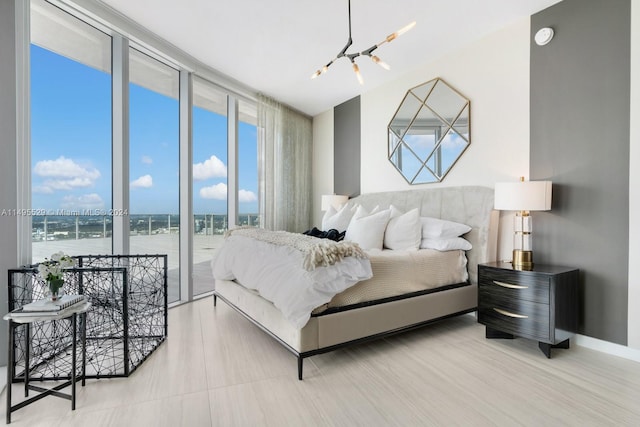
316 252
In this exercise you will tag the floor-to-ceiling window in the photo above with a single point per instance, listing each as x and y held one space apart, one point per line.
74 154
154 162
70 134
209 178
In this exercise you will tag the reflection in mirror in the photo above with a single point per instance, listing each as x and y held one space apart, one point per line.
429 132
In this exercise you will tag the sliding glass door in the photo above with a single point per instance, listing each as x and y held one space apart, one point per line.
209 179
154 167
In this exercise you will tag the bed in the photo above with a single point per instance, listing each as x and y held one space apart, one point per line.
331 328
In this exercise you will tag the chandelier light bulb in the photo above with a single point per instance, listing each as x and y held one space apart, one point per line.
358 75
380 62
316 74
406 28
401 31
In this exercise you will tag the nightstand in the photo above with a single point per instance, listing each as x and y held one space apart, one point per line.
72 313
540 304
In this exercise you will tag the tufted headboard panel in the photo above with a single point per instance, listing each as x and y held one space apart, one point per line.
471 205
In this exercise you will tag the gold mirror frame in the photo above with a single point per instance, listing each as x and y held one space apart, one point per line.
429 132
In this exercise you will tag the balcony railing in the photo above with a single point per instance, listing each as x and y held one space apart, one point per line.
149 234
76 227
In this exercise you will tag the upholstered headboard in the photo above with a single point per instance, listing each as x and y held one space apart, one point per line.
471 205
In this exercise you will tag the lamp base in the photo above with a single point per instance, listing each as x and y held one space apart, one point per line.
522 260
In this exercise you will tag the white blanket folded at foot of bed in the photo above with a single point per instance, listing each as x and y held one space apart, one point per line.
278 273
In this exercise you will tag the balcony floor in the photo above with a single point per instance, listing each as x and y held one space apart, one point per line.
203 249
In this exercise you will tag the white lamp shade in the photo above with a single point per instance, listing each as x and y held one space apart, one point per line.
523 196
334 200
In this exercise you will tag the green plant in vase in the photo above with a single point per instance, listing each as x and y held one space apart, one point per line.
51 270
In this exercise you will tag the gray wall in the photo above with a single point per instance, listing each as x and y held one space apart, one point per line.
580 85
346 148
8 172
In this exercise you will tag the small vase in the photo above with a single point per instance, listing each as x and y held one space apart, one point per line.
55 289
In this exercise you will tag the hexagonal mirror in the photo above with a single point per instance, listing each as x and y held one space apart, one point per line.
429 132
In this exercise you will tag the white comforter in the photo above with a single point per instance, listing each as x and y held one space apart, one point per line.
277 273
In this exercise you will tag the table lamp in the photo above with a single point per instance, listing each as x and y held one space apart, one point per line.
523 197
335 200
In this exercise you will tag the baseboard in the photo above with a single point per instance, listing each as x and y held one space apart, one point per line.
608 347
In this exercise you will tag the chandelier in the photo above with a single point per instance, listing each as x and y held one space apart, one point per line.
367 52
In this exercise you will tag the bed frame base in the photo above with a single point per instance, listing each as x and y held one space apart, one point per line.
301 356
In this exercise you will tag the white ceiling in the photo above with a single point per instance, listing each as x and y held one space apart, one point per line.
275 46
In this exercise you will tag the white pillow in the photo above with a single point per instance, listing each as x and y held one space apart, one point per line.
404 231
338 220
367 230
448 244
435 228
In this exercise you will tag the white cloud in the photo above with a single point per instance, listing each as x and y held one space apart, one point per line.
451 140
64 174
145 181
147 160
213 167
217 192
84 201
68 184
64 168
42 189
420 141
245 196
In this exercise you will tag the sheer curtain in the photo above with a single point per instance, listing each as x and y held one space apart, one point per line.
284 165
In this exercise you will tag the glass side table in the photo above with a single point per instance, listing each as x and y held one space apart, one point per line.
71 314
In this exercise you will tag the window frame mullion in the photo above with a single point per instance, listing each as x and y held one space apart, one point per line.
120 144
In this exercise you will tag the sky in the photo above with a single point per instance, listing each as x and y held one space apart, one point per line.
71 145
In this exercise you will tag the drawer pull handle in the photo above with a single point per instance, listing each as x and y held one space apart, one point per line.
509 285
507 313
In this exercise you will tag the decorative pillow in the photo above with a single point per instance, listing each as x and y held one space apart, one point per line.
448 244
404 231
435 228
367 230
338 220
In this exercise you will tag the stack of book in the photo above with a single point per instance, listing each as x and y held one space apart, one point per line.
46 307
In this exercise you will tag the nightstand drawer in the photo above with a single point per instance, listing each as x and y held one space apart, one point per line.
519 317
516 285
